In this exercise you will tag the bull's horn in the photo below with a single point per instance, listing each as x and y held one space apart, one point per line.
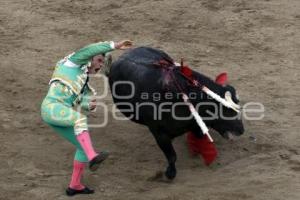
233 104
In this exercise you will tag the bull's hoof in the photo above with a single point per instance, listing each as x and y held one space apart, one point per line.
171 173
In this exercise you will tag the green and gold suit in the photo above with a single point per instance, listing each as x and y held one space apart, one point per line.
69 87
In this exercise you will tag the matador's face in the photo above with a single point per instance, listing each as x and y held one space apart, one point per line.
97 63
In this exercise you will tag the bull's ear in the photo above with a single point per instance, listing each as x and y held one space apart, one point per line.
221 79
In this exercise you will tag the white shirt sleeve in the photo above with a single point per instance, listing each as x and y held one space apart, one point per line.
112 44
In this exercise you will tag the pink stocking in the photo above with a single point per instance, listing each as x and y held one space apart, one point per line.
86 144
78 169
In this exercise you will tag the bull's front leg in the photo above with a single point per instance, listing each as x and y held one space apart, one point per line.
165 144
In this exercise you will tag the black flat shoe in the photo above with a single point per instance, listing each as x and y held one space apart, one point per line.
95 162
72 192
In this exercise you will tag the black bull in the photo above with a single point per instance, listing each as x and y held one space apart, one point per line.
146 87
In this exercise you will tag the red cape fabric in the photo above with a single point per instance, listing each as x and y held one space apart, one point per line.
202 146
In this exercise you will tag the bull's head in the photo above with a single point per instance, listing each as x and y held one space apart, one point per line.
229 122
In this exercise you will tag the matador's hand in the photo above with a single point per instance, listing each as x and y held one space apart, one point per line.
93 104
125 44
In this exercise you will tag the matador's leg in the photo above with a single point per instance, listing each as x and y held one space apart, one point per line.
58 114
